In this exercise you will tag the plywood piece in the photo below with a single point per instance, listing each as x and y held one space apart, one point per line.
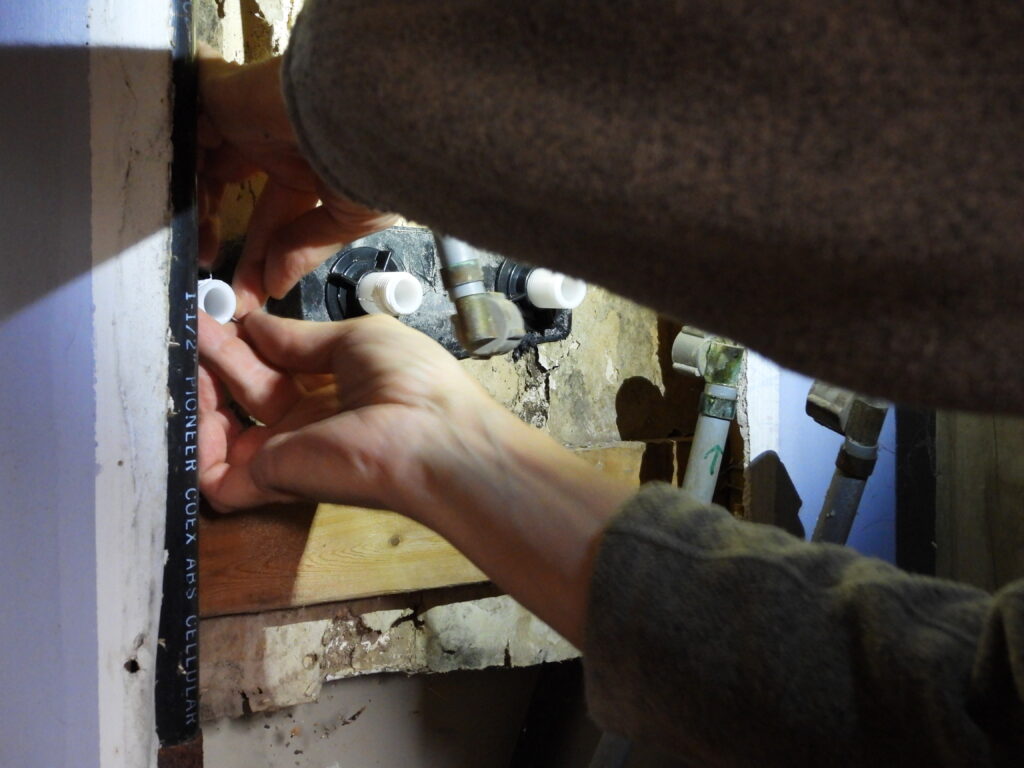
352 552
300 555
979 523
290 556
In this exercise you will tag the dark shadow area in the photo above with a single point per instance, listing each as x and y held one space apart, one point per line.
915 490
473 717
645 412
770 496
556 732
640 410
46 198
642 415
659 462
665 420
682 391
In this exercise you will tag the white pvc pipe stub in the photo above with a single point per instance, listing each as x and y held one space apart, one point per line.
553 290
217 299
389 293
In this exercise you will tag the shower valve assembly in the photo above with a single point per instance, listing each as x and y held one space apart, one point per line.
476 304
369 281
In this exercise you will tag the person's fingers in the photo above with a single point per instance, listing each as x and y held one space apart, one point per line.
229 485
311 382
223 477
208 55
277 206
302 245
209 243
299 247
264 392
212 67
218 425
299 346
226 477
207 135
226 164
354 220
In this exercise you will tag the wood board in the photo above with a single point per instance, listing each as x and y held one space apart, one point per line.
298 555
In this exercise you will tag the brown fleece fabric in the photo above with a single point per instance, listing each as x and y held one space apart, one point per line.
733 643
840 186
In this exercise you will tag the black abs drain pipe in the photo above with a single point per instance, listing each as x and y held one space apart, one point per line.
177 660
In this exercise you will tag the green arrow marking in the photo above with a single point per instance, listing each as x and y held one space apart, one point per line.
715 452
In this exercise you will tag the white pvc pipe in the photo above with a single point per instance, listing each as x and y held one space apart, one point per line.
217 299
453 251
553 290
707 451
389 293
690 353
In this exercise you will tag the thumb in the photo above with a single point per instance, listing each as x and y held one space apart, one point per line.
338 460
277 206
302 245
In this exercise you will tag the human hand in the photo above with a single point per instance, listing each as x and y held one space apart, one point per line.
364 411
373 413
244 130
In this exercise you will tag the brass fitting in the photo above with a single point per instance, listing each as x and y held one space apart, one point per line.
486 323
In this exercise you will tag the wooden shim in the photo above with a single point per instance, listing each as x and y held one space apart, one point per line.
979 526
297 555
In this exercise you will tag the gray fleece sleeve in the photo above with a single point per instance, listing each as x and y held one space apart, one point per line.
732 643
837 185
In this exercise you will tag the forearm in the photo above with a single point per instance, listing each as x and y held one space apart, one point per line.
528 512
806 178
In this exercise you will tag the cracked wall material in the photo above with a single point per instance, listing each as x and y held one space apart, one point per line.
610 380
265 662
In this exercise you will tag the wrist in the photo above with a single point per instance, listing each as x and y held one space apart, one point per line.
463 455
526 510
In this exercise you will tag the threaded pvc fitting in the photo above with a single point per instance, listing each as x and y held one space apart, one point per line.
553 290
389 293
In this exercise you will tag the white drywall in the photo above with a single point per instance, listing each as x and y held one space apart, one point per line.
48 670
83 209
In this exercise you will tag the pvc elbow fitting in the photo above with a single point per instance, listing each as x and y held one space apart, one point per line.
389 293
217 299
553 290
